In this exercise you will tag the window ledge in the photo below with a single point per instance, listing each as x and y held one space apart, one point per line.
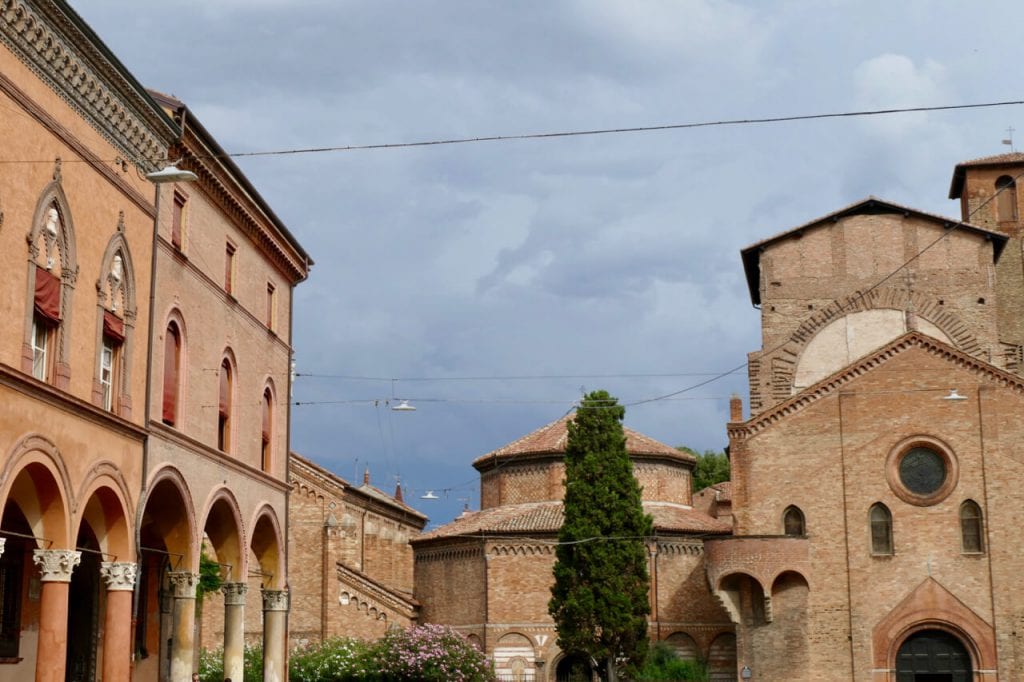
10 660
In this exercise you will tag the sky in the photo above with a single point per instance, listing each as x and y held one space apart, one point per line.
490 284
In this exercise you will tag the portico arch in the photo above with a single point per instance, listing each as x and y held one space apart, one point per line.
168 541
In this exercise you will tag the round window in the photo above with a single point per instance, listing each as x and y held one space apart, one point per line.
922 471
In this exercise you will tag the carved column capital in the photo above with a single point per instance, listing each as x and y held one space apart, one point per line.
275 600
56 565
234 593
120 575
183 584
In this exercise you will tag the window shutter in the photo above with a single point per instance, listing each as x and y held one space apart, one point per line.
171 367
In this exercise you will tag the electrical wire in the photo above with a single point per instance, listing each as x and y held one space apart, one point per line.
578 133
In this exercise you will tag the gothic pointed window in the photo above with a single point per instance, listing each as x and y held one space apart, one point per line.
793 522
52 269
971 528
881 529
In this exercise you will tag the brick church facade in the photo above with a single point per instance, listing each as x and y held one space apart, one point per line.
875 487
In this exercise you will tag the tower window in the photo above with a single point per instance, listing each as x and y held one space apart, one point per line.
1006 198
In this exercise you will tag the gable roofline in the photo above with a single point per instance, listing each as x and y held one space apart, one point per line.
956 184
550 440
303 466
835 382
869 206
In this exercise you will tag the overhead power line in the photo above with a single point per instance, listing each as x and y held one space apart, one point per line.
632 129
578 133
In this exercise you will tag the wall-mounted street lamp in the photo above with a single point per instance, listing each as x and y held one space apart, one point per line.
171 173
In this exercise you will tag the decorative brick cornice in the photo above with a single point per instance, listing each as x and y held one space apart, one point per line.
78 68
680 547
834 383
521 549
475 551
372 597
245 213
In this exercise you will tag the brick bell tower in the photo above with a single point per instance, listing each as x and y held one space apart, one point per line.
989 190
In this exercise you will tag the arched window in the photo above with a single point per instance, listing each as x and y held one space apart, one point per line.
224 408
266 449
1006 199
881 529
51 273
971 527
172 373
793 521
115 324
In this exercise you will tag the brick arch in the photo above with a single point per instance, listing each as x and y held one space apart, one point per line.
222 523
786 358
45 498
180 535
267 547
932 607
105 514
112 520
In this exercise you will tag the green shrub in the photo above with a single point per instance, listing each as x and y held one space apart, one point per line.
211 664
334 660
664 664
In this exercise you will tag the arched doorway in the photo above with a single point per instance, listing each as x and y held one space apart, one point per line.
933 656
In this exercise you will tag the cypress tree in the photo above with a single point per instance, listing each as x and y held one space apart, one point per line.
599 600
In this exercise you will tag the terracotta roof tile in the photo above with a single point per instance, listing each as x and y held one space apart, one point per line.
552 438
546 517
995 159
956 185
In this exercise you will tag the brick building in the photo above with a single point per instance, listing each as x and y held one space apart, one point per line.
488 573
351 568
144 372
875 495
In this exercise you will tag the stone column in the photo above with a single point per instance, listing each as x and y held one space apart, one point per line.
56 566
3 541
183 624
234 629
117 625
275 634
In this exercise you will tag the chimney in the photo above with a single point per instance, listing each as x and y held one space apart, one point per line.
735 408
398 492
366 476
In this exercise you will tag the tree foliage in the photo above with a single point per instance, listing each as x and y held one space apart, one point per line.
712 467
600 596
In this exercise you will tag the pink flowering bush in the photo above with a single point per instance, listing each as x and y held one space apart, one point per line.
429 653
